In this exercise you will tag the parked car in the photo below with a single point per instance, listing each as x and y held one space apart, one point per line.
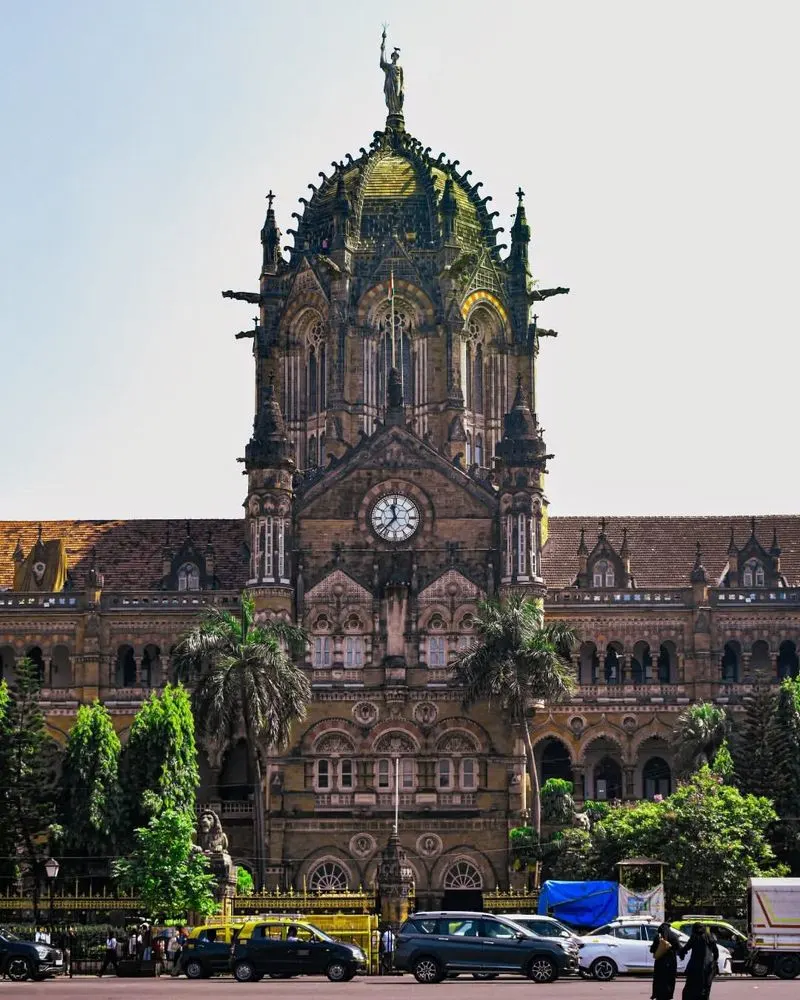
729 937
207 951
434 946
20 960
544 926
623 946
284 947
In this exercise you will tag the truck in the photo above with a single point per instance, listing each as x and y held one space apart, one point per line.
773 911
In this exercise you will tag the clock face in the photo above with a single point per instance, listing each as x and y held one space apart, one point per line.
395 517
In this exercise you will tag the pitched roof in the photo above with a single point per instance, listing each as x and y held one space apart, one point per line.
662 549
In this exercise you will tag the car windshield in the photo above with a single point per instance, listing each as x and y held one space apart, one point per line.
320 934
8 935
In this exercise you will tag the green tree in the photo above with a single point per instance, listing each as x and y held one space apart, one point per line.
761 747
244 882
698 733
710 836
160 757
90 785
245 679
558 806
570 855
6 830
517 662
30 759
166 870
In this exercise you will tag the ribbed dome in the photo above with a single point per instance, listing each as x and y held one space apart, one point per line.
395 187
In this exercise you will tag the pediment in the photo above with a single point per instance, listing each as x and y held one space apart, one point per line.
306 281
338 586
450 584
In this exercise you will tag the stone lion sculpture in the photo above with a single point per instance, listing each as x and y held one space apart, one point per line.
212 838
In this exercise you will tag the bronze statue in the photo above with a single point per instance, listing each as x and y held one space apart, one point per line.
393 88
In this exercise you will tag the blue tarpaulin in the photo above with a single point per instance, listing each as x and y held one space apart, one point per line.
582 904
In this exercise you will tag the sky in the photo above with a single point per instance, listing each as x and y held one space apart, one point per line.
656 144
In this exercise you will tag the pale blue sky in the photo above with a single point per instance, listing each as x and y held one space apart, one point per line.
656 143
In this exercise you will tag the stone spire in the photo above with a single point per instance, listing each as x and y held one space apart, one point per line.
269 446
341 213
448 207
270 239
698 574
522 444
520 235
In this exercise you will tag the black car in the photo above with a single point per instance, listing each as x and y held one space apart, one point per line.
435 945
20 960
271 948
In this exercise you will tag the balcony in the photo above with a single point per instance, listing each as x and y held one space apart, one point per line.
573 597
781 597
58 696
10 601
168 600
630 693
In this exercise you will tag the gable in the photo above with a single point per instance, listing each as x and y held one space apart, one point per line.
451 584
338 586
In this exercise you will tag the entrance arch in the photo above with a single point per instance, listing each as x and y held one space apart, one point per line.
463 886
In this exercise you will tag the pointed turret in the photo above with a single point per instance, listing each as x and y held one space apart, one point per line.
448 207
340 213
522 443
520 236
269 447
270 239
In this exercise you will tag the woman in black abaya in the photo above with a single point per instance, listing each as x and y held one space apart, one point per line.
702 965
665 949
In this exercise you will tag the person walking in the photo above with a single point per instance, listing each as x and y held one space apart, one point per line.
180 942
110 957
665 949
387 951
158 956
702 965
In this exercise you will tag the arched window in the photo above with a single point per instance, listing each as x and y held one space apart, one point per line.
60 672
760 659
328 876
603 574
151 666
479 450
312 452
656 778
316 368
753 574
787 659
607 780
353 651
385 774
7 661
666 663
469 774
463 874
589 663
522 538
613 665
477 381
397 353
34 654
556 761
641 664
126 666
188 577
731 662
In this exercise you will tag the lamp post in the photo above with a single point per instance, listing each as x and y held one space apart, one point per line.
51 867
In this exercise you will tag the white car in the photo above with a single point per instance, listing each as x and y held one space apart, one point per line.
623 946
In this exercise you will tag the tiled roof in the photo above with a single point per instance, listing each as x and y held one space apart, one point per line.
129 553
662 549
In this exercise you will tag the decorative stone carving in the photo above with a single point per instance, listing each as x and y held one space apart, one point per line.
426 713
456 743
362 845
365 713
334 743
441 592
629 724
429 845
213 842
577 724
394 743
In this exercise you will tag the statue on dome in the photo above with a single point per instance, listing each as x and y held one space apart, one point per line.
393 88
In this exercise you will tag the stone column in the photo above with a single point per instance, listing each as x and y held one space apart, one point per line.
628 791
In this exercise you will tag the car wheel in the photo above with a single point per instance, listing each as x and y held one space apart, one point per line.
427 970
245 972
17 970
194 969
787 966
337 972
759 970
542 970
603 969
485 975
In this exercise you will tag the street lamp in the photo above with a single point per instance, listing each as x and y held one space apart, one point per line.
51 867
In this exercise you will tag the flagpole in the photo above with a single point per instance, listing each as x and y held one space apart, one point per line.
391 302
396 794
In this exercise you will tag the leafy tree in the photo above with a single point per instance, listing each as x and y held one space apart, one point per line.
699 732
516 662
90 784
244 882
245 678
160 757
723 764
570 855
30 759
166 870
7 842
710 836
558 806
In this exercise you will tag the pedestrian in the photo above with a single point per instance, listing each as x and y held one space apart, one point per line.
387 951
702 965
158 955
665 949
172 947
110 957
71 950
132 943
181 941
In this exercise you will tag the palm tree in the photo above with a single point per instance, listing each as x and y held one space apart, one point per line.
245 679
699 732
517 661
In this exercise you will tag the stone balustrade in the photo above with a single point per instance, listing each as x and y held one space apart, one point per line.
780 596
674 597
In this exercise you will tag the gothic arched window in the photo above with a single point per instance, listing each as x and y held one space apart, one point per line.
753 574
603 574
328 876
316 370
477 380
396 352
188 577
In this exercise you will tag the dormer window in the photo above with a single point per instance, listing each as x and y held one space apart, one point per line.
188 577
603 574
753 574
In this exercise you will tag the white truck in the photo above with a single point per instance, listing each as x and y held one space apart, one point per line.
773 908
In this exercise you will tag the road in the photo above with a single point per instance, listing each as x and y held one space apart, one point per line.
389 988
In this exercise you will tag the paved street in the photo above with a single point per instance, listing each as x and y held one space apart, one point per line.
395 988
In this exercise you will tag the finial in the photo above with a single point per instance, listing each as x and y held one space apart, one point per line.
520 194
39 536
602 526
624 547
732 550
188 530
270 199
698 555
582 549
752 527
774 549
698 574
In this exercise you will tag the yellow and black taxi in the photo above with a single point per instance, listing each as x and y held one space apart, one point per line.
285 947
207 951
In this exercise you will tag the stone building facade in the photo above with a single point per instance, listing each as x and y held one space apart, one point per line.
395 478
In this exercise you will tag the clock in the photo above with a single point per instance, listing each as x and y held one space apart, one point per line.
395 517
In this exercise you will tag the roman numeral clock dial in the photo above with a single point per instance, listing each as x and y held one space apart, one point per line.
395 517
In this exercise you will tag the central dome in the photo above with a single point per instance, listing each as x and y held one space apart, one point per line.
396 188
